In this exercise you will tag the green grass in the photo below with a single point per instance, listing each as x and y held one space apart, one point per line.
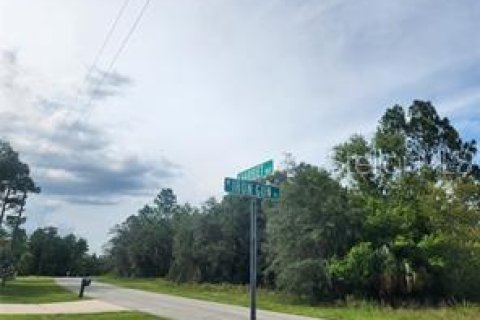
34 290
98 316
268 300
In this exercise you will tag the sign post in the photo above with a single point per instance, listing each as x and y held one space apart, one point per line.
253 259
247 184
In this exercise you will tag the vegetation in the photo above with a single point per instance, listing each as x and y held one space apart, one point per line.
280 302
44 252
96 316
184 243
34 290
398 222
419 195
15 186
48 253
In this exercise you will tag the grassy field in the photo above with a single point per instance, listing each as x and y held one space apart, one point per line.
269 300
44 290
34 290
101 316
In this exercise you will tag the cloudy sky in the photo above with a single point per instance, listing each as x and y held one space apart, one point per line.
203 89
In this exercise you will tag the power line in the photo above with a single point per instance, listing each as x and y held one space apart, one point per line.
106 40
118 52
116 56
99 53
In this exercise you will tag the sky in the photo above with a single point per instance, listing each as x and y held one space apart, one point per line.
204 89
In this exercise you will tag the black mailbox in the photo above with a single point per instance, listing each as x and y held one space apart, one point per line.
85 283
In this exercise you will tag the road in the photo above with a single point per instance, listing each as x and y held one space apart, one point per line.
175 308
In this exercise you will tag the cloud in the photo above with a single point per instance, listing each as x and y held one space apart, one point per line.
93 176
91 201
223 84
102 84
9 58
70 158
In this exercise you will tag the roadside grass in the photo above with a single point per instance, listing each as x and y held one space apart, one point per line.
273 301
34 290
97 316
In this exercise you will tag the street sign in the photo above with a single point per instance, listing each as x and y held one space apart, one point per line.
251 189
247 184
257 172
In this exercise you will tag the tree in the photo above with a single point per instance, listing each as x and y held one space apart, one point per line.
15 181
398 222
15 185
417 141
313 221
53 255
142 245
212 243
184 265
418 186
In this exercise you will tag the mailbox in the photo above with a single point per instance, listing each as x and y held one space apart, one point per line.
85 283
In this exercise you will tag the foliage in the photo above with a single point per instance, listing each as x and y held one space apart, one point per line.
314 220
185 243
420 233
398 222
15 182
15 186
142 245
211 244
51 254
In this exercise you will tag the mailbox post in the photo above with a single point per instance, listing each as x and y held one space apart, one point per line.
85 283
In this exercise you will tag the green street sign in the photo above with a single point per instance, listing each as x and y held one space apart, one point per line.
257 172
251 189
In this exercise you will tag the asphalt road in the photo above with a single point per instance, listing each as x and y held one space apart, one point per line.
172 307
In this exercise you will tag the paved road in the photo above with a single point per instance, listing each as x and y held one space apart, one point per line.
172 307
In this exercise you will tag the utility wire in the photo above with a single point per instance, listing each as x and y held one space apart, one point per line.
118 52
100 52
106 40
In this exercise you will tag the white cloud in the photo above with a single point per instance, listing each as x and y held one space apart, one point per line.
69 157
60 174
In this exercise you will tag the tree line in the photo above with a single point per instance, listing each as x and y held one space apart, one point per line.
397 221
44 252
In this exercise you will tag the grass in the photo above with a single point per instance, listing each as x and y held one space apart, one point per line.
44 290
268 300
98 316
34 290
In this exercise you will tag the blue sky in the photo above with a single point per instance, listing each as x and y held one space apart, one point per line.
207 88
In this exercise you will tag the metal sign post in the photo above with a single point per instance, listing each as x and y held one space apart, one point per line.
253 259
245 185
